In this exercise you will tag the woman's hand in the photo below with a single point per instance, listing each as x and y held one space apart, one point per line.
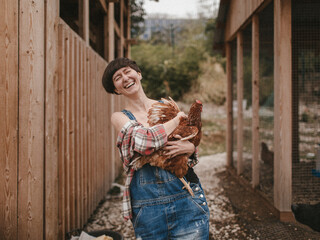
174 148
171 125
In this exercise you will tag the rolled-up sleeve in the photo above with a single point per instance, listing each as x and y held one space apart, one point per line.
134 138
194 158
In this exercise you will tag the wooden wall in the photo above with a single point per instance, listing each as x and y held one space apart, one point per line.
238 14
58 156
85 145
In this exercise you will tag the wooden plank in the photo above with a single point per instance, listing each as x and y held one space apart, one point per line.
84 146
283 107
77 135
104 159
51 121
229 137
111 32
8 118
101 143
239 100
61 131
66 130
89 117
238 14
31 120
92 129
98 138
95 130
255 101
72 131
81 131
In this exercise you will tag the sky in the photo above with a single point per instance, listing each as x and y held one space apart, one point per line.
179 8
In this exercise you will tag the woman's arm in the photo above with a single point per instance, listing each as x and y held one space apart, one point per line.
179 147
134 138
118 120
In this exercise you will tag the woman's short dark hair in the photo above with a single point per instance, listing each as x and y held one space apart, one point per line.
114 66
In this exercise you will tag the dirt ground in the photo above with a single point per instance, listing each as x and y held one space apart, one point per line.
236 213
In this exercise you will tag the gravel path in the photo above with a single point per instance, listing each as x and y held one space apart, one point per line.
235 212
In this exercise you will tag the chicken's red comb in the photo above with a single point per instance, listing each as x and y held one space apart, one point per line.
198 101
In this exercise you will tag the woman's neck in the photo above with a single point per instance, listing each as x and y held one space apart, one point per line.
139 103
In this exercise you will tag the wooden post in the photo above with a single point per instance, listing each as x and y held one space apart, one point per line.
31 119
84 20
111 31
51 120
282 109
229 138
128 29
255 101
61 133
121 28
240 100
86 30
9 118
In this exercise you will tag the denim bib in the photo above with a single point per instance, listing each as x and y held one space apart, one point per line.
162 209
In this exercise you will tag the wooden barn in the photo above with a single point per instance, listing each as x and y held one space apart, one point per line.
57 157
273 97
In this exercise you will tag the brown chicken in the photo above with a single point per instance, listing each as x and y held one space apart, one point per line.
188 129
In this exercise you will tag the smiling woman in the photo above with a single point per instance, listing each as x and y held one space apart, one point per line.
126 79
154 198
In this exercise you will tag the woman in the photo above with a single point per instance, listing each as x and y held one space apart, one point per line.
154 199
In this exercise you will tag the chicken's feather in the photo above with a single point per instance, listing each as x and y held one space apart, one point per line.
162 112
188 129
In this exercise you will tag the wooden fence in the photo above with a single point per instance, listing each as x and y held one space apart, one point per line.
87 151
58 156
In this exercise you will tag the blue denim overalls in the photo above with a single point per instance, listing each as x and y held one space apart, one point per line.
162 209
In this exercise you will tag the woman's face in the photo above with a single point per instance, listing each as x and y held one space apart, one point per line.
126 81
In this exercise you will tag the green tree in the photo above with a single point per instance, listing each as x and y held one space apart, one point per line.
137 17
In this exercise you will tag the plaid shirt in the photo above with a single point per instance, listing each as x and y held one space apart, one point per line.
133 141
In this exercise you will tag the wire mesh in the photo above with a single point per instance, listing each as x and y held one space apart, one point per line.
234 97
247 102
266 100
306 101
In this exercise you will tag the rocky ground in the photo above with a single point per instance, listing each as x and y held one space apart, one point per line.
235 212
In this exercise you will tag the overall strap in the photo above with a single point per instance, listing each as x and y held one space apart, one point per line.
129 114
